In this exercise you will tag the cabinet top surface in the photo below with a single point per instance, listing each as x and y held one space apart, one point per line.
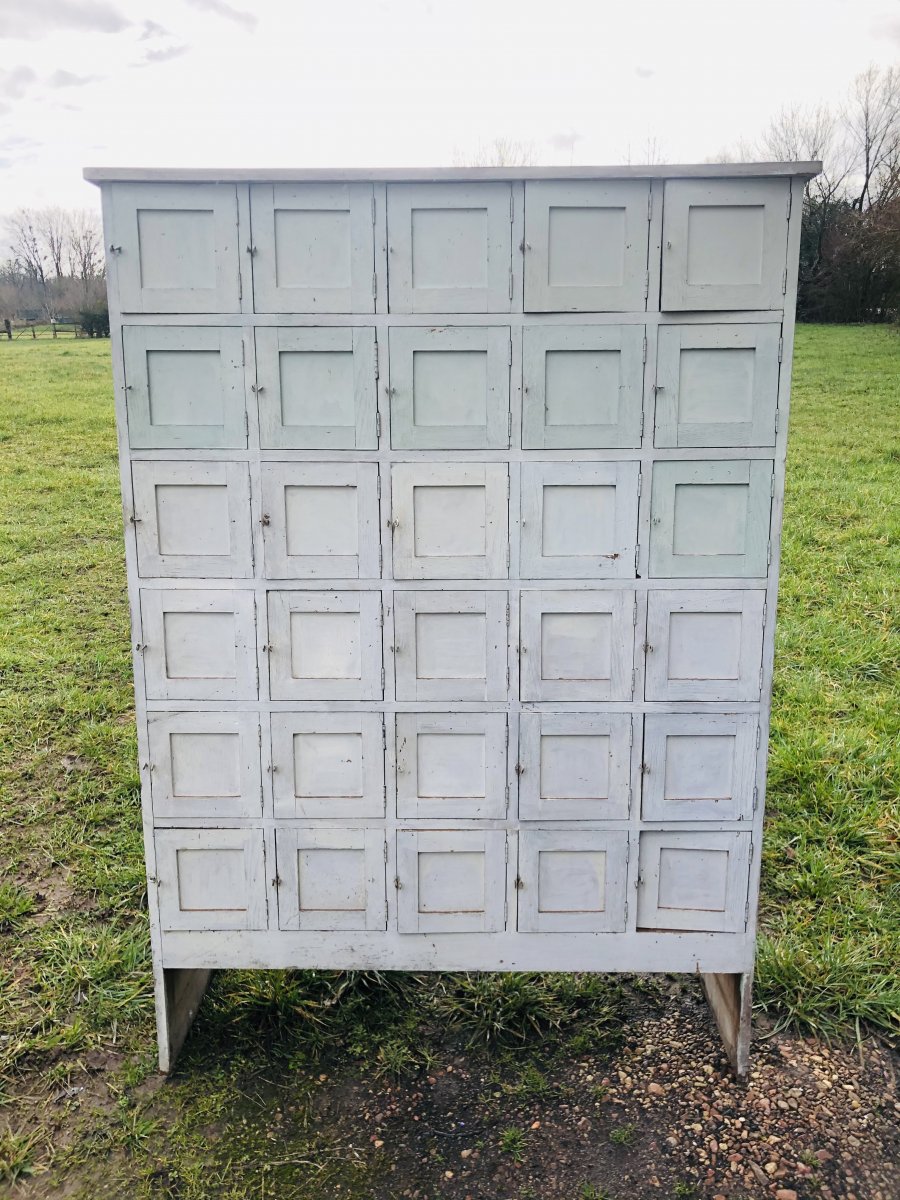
445 174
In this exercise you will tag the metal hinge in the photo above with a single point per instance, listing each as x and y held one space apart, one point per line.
765 612
784 281
628 851
777 418
780 349
510 285
509 352
378 476
375 287
512 206
507 688
626 912
377 369
646 284
373 208
746 914
752 849
385 852
634 613
772 485
246 424
383 735
507 614
259 735
760 678
509 426
633 679
637 555
382 678
378 427
790 199
381 566
640 481
758 736
755 799
381 614
631 733
507 554
769 553
644 351
642 423
650 206
506 850
507 797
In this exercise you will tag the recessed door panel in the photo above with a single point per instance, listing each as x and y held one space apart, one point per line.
451 765
451 645
699 767
572 881
451 881
211 879
199 645
328 764
204 764
331 878
574 766
325 646
577 645
695 881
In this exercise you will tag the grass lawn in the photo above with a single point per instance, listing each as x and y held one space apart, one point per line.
74 958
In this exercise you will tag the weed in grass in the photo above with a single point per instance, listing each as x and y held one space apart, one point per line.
18 1152
623 1135
685 1190
512 1142
591 1191
15 903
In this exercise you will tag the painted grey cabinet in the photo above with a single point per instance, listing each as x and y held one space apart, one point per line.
452 505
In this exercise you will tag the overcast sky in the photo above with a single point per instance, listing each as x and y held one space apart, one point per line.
405 82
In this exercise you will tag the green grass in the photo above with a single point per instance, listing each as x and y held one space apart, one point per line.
74 956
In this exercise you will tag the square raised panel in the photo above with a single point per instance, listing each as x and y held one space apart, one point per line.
724 244
327 764
699 767
316 389
579 520
577 645
331 878
704 645
574 766
583 386
451 645
586 246
175 247
204 764
717 385
321 520
449 388
449 247
451 881
211 879
313 247
192 519
572 881
184 387
450 520
199 645
451 765
325 646
710 518
693 881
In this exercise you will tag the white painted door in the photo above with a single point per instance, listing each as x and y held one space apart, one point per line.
711 518
449 247
450 520
192 519
579 520
724 243
586 245
325 646
574 766
583 386
199 645
328 764
316 389
211 879
174 247
577 645
184 387
204 764
699 767
331 878
313 247
704 645
449 388
320 520
717 385
572 881
694 881
451 765
451 881
451 645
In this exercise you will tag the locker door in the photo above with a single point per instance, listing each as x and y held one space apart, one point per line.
724 244
710 518
695 881
451 765
331 878
449 247
199 645
579 520
192 519
450 388
313 247
574 766
586 245
205 764
328 764
704 645
583 386
317 389
175 247
325 646
572 881
699 767
321 520
577 645
451 645
451 881
717 385
184 387
450 520
211 878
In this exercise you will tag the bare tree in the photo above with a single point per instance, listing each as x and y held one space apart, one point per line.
873 120
501 152
52 226
25 244
85 254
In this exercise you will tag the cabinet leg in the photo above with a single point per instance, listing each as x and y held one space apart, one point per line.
731 999
178 995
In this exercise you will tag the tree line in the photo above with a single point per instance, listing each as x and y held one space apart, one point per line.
55 268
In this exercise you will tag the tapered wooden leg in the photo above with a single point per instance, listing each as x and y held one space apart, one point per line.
731 999
178 996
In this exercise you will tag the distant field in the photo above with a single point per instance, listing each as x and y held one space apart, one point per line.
74 959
